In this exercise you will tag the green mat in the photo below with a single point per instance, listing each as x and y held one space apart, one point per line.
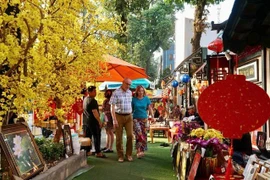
81 171
156 165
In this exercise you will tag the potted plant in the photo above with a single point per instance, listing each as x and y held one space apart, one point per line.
210 143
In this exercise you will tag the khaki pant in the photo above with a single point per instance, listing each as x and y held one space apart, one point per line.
127 122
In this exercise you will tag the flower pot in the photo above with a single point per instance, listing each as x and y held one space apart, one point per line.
207 166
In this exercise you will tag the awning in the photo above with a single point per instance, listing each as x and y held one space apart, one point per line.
189 65
248 25
114 85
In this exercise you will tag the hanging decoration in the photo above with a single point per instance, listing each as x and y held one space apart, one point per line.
216 45
184 78
78 106
234 106
174 83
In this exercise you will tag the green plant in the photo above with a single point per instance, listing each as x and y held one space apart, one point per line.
50 150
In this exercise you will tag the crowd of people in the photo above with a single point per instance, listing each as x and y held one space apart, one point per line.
124 110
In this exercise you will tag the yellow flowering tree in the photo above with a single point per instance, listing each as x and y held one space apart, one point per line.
48 49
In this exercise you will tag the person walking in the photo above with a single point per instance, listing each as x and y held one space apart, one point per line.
106 108
92 120
141 104
121 114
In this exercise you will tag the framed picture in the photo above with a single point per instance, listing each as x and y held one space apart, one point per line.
20 150
250 70
67 140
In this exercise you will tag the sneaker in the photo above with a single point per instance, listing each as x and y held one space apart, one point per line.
100 155
90 153
129 158
120 160
102 149
139 156
108 151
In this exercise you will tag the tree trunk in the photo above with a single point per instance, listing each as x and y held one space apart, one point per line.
58 132
199 24
59 124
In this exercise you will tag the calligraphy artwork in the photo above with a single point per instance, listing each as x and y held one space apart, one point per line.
249 70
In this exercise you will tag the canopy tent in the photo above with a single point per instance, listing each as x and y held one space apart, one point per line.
114 85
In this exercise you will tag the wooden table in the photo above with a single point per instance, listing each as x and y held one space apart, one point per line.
159 128
172 134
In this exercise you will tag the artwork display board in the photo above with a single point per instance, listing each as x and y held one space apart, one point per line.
67 140
20 150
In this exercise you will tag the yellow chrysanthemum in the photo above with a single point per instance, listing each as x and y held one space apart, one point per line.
199 132
207 134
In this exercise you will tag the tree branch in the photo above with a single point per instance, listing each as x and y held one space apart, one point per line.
29 44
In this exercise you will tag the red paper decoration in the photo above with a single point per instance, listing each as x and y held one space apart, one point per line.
234 106
216 45
78 106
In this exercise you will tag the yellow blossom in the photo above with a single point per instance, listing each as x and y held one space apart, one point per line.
60 47
207 134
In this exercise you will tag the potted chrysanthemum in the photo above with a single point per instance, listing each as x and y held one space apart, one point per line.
211 143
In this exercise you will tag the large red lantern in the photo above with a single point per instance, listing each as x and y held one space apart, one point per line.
234 106
216 45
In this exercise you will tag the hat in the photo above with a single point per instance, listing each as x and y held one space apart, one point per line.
191 107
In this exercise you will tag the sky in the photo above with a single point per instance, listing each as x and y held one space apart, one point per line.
225 11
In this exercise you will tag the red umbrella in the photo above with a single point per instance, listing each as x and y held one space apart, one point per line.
119 69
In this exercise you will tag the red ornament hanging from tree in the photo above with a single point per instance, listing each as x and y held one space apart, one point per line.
216 45
234 106
78 106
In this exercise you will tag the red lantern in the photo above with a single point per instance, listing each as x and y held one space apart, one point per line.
216 45
234 106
